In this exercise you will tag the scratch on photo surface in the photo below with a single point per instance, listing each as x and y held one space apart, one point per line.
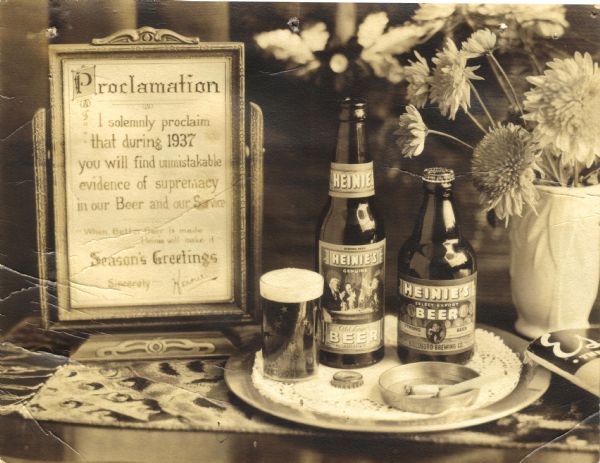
25 124
590 419
47 432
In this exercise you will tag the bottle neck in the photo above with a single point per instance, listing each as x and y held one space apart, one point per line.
351 176
351 145
437 219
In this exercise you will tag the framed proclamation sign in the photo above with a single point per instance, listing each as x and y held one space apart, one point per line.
149 182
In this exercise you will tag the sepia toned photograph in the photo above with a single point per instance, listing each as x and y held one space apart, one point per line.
299 231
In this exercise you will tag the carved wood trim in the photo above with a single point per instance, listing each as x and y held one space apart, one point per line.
41 202
145 36
256 160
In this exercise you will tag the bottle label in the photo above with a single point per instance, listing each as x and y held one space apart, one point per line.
351 180
437 317
352 305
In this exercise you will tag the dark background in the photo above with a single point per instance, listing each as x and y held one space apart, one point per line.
300 133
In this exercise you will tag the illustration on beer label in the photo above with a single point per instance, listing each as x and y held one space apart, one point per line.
353 299
351 180
437 316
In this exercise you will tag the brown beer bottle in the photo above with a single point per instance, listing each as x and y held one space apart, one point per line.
351 251
437 279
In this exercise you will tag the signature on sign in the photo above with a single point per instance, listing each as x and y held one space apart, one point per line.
185 284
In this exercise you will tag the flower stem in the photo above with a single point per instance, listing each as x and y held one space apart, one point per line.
476 122
551 167
590 174
451 137
500 81
483 106
557 172
549 172
527 47
507 80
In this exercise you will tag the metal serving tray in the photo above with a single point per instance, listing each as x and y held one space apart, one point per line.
534 381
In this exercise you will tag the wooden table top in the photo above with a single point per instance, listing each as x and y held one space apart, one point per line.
27 441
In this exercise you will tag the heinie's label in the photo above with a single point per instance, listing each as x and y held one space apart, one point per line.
437 317
353 300
351 180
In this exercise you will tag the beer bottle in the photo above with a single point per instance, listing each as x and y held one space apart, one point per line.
437 278
351 251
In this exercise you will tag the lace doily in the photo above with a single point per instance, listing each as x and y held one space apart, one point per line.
317 394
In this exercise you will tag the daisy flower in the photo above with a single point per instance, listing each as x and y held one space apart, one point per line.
417 76
503 170
564 103
450 83
479 43
411 133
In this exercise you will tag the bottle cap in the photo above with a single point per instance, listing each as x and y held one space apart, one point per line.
438 175
347 379
353 109
289 285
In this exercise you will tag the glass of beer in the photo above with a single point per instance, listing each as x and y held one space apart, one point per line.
290 300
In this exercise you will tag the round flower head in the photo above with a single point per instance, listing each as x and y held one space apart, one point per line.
417 76
479 43
450 87
411 133
565 103
503 170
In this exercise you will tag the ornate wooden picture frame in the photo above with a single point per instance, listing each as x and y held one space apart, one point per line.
150 204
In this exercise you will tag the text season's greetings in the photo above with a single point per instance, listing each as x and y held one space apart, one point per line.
148 180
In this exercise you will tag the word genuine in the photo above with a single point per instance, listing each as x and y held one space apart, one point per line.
85 83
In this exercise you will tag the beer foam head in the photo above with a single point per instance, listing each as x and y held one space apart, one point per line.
291 285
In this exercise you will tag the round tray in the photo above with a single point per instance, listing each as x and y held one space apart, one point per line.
534 381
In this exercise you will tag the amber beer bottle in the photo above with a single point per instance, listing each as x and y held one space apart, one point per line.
351 251
437 279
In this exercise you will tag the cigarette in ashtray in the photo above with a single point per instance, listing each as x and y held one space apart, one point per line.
447 390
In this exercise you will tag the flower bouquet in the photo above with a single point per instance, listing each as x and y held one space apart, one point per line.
349 54
541 170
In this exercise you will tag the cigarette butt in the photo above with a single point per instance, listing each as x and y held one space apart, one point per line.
424 389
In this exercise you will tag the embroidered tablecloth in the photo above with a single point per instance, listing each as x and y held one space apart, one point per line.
192 395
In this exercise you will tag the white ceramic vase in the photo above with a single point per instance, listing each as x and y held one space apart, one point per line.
555 260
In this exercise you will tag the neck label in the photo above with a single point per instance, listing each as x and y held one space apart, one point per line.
351 180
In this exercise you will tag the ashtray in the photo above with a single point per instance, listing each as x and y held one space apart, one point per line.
397 384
